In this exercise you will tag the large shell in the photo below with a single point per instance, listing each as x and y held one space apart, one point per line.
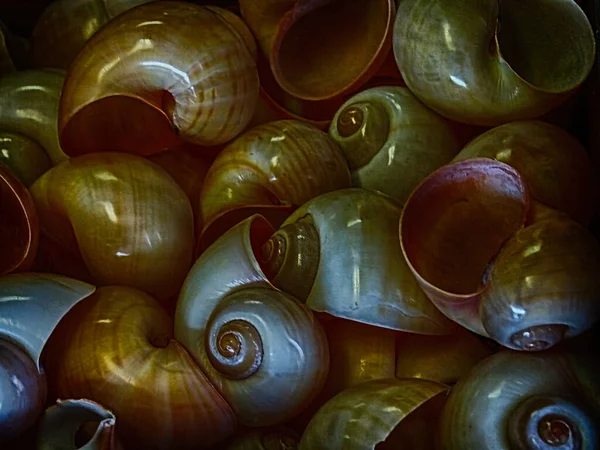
347 261
156 74
392 141
488 62
262 349
366 416
117 349
30 107
270 169
19 227
353 37
513 400
526 277
127 218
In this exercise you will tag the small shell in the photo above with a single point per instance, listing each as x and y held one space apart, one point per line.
270 169
262 349
60 423
362 417
30 107
391 140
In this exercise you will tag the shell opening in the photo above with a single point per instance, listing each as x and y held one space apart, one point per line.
85 432
540 337
551 423
235 349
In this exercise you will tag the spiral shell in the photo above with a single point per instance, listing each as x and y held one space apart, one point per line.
488 62
263 350
523 275
125 216
270 169
392 141
155 75
339 267
115 346
533 401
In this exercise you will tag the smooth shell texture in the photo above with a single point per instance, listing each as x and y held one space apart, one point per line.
61 422
30 107
19 227
23 156
487 62
155 75
303 39
32 305
117 345
127 218
453 225
361 417
6 63
392 141
555 166
187 167
267 439
545 275
286 346
14 51
445 359
270 169
481 408
359 353
361 273
22 391
66 25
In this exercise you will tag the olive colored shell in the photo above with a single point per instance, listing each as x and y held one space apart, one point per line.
487 62
361 417
269 170
127 218
29 107
391 140
157 75
23 156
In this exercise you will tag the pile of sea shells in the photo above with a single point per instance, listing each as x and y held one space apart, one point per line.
298 224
